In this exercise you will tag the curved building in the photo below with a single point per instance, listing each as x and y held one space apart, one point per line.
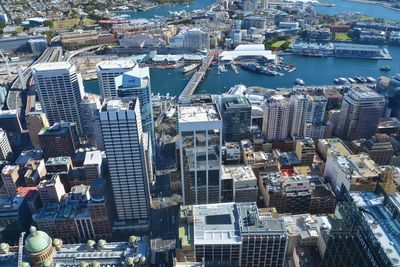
39 247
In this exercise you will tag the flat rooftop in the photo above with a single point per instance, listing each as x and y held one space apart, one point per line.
381 223
238 173
198 113
93 157
337 145
52 66
216 224
115 64
364 94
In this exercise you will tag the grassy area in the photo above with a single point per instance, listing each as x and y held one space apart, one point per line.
278 44
70 23
340 36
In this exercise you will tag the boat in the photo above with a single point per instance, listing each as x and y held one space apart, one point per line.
343 81
385 68
189 68
234 68
222 68
371 80
300 81
336 81
351 80
360 79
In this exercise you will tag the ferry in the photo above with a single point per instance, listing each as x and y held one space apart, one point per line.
189 68
300 81
371 80
385 68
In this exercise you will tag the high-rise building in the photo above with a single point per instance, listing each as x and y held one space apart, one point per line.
231 234
61 139
196 39
136 84
106 73
35 122
379 149
51 189
60 91
90 107
241 181
364 231
99 206
10 175
276 122
360 113
236 117
5 148
200 128
305 150
121 127
299 103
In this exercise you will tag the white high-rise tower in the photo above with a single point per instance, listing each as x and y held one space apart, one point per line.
106 73
60 91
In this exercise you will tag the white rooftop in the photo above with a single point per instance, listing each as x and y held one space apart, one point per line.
93 157
238 173
52 66
115 64
198 113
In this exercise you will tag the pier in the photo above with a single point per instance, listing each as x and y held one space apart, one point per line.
197 77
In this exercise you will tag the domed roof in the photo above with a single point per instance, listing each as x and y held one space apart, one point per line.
37 241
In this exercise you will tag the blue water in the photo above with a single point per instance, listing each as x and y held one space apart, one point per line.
372 10
163 10
313 70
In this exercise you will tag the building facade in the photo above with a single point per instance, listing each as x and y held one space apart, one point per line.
276 118
107 71
35 122
200 128
360 113
121 127
60 91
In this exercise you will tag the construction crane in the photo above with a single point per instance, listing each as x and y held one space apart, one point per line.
5 58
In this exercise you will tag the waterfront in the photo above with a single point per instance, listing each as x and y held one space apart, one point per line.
372 10
313 70
165 9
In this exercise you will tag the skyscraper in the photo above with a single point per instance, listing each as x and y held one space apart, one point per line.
121 127
236 117
60 91
90 107
360 113
276 121
299 103
61 139
5 148
364 231
200 128
106 73
35 122
136 84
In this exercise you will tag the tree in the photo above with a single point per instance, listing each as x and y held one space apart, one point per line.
49 23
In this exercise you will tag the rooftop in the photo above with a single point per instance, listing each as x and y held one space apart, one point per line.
52 66
93 158
115 64
198 113
380 221
238 173
216 223
63 160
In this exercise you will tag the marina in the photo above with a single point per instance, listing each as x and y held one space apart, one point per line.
310 69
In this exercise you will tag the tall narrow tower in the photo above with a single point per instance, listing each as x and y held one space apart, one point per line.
121 128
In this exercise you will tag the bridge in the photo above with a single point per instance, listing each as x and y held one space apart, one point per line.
197 77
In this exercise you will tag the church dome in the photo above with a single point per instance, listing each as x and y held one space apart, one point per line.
37 241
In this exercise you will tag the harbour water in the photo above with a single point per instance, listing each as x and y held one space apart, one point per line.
372 10
313 70
164 10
